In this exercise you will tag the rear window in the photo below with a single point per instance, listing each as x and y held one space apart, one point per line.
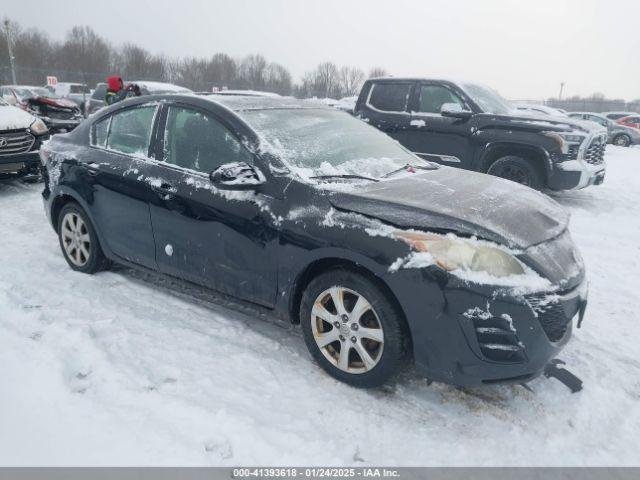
390 97
130 130
79 89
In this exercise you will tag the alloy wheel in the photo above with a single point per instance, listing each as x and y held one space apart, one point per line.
512 172
347 330
75 239
622 141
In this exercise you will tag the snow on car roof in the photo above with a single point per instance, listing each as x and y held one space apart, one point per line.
165 87
240 103
249 93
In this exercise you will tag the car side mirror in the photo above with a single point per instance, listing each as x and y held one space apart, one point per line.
454 110
11 101
237 176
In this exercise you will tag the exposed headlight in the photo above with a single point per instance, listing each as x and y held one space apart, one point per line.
565 140
38 127
453 253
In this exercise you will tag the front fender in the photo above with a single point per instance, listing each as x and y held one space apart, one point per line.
501 148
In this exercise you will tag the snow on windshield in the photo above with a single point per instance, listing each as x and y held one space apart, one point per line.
489 100
317 142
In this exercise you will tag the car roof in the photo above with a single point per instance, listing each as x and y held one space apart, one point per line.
239 103
150 85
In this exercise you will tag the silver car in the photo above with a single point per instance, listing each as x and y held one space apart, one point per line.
619 135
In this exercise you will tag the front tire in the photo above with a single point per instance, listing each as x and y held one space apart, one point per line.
622 140
517 169
352 329
78 240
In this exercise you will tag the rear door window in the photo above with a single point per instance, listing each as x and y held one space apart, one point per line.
433 97
130 130
390 97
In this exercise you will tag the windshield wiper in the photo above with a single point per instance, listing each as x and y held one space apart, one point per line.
360 177
430 166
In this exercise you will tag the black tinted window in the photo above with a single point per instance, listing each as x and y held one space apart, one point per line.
130 130
199 142
433 97
390 97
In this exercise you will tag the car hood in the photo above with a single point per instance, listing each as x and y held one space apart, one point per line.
56 102
469 203
545 122
13 118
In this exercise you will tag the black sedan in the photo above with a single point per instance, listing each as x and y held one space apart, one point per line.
382 257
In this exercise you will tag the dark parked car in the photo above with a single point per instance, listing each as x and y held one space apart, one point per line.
21 135
309 212
618 134
470 126
59 114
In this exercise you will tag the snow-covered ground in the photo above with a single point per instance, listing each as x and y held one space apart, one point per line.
125 368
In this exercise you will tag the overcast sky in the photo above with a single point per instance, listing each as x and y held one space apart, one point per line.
524 49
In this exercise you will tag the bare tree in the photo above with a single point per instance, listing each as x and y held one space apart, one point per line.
83 51
351 79
135 63
378 72
251 73
277 79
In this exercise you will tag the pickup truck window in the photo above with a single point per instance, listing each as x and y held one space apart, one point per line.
432 97
390 97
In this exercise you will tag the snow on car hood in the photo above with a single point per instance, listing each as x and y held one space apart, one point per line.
13 118
460 201
549 122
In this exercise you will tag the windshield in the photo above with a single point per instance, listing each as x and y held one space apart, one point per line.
487 99
43 92
318 142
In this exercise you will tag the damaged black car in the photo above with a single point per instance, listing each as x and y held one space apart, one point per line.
59 114
382 257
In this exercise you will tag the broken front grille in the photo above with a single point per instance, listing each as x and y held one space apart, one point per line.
550 314
12 143
497 338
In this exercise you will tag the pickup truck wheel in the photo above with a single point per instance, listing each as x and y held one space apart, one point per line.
517 169
622 140
352 329
78 240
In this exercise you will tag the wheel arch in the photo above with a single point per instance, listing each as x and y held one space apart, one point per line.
63 196
321 265
535 154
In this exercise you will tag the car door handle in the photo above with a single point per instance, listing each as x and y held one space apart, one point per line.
92 168
165 191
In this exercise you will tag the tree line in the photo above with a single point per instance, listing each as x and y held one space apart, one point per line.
86 57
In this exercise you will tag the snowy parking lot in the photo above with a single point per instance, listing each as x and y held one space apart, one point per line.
128 368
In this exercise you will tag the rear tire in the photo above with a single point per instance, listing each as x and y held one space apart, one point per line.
352 329
78 240
622 140
517 169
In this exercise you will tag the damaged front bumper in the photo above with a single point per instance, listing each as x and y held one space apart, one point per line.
473 335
